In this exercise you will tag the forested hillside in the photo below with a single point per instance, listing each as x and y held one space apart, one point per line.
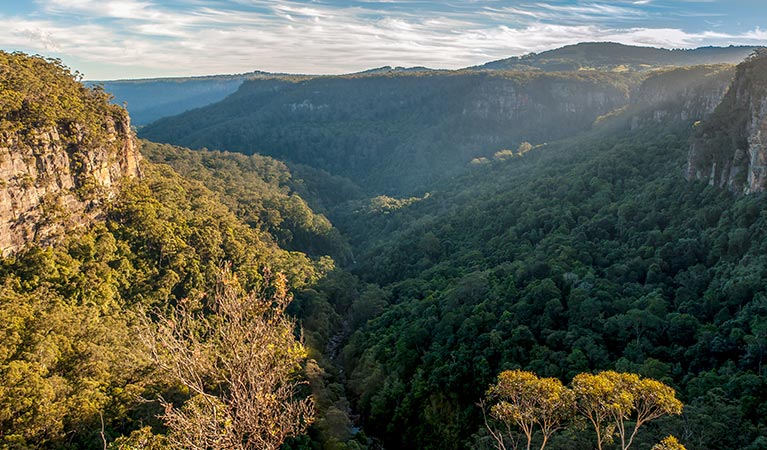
585 255
398 132
84 360
611 56
261 191
151 99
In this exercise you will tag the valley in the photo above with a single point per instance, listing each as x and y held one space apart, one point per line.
565 213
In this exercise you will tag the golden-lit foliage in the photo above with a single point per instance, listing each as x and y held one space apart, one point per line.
668 443
608 400
528 402
37 92
240 364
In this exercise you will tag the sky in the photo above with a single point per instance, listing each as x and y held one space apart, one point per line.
118 39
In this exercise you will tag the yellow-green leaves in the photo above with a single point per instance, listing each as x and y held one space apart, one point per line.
36 92
668 443
613 403
531 403
610 399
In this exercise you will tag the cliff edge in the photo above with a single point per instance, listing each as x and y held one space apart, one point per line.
729 149
64 150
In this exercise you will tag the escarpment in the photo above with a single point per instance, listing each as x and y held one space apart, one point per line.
394 132
729 149
64 151
679 95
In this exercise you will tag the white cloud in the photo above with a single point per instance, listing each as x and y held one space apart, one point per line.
287 36
589 13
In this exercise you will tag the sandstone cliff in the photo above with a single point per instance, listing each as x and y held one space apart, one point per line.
63 152
394 132
680 95
50 185
730 148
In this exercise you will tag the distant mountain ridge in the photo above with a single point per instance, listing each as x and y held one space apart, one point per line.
618 57
151 99
395 133
390 69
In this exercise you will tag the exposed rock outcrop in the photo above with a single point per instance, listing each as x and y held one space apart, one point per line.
684 94
64 150
730 148
50 184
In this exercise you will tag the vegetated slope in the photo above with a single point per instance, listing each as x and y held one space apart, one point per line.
586 254
64 150
150 99
610 262
341 304
73 368
70 351
611 56
398 132
153 98
681 95
260 191
730 148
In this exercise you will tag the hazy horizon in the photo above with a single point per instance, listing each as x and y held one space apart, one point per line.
134 39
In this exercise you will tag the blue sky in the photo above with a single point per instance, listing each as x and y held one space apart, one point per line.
111 39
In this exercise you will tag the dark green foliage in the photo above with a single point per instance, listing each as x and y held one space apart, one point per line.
584 255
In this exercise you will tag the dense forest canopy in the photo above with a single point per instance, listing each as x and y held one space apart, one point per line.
74 370
592 254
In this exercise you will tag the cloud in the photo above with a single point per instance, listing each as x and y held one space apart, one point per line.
118 9
576 13
314 37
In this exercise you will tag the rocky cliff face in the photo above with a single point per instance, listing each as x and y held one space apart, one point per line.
50 183
681 95
395 132
730 148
